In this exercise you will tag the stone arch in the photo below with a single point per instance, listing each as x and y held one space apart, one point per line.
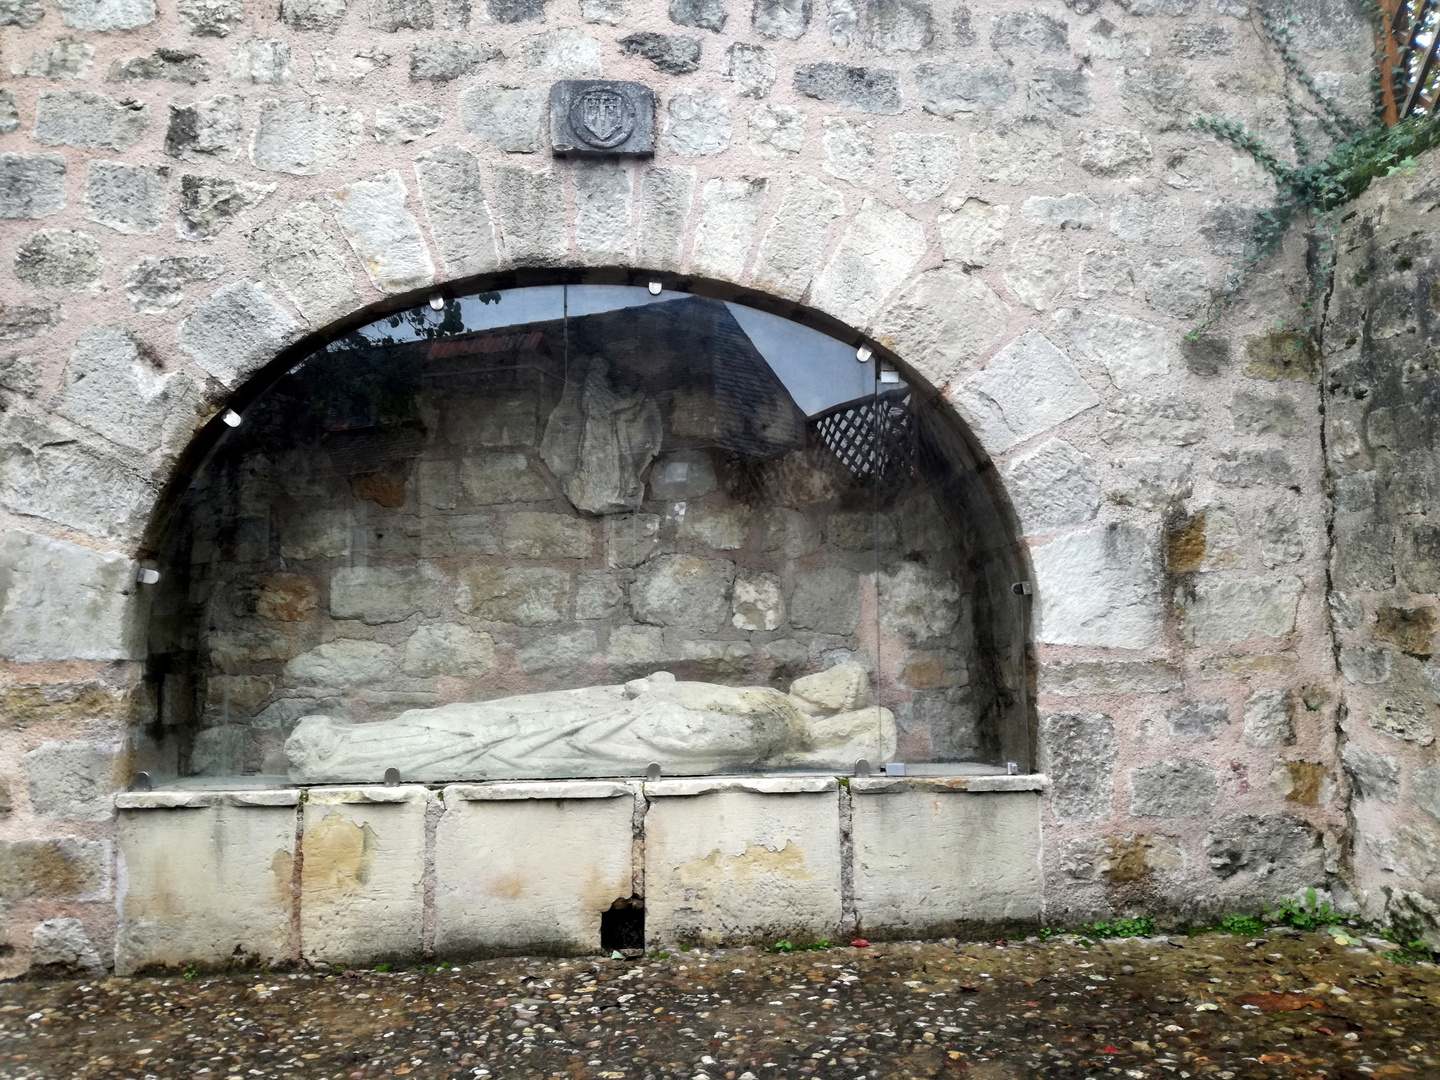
999 564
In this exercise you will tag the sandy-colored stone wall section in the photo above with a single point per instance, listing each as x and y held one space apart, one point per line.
1007 193
1380 343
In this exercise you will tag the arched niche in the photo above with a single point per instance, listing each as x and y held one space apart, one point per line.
540 485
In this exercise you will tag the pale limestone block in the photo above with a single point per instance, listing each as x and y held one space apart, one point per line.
207 883
562 53
795 241
383 233
729 213
971 230
449 179
234 331
531 207
1038 271
111 387
1026 388
737 866
966 858
1098 586
1136 354
776 131
304 263
1028 154
943 322
1224 611
668 194
62 601
384 594
1052 486
697 123
849 149
603 193
878 251
362 880
923 165
304 137
530 874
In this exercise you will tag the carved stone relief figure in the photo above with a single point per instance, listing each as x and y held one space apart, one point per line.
690 728
600 440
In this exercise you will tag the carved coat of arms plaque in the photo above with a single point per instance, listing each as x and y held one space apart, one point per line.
602 117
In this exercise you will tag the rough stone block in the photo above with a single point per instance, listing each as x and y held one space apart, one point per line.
460 222
702 14
899 26
971 230
683 590
9 113
448 649
1038 271
236 330
304 137
878 250
776 131
1273 853
1052 486
343 662
62 946
949 90
509 118
1026 388
57 868
673 54
667 196
849 149
737 866
383 233
107 14
383 594
59 258
389 16
826 600
751 68
1253 468
321 532
1030 31
1363 555
1178 787
1267 719
529 868
207 131
603 193
62 601
923 165
400 122
31 185
305 264
1179 288
1100 587
697 123
127 198
780 18
1198 719
630 539
448 60
501 478
729 213
1085 677
535 596
209 18
967 860
163 65
21 13
111 387
723 528
547 536
867 90
795 242
209 881
1025 153
75 781
323 16
1154 419
1136 354
530 206
362 878
1226 611
513 11
263 61
562 53
1406 720
1078 752
1372 776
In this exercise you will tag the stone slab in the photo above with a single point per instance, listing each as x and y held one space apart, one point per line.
530 873
203 882
736 866
602 117
929 864
756 785
362 883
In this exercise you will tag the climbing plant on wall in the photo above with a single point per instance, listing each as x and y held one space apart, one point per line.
1402 123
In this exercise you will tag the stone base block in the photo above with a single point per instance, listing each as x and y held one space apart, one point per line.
738 864
529 868
933 860
362 881
205 878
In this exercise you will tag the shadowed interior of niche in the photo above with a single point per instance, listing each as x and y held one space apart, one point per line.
548 489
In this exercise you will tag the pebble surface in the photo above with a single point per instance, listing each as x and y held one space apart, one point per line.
1290 1005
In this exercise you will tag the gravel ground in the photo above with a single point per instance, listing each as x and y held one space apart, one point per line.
1287 1005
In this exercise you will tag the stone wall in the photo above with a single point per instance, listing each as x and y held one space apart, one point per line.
1381 395
1007 195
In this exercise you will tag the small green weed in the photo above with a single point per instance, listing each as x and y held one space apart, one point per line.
1302 915
190 973
659 954
1242 925
787 947
1413 953
382 967
1047 932
1144 926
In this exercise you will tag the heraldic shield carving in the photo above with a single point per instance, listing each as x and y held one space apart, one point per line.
594 116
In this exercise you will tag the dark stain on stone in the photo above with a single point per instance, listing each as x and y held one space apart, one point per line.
1408 628
1281 355
1185 544
385 488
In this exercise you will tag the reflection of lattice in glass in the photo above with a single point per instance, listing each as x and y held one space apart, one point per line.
1412 81
873 436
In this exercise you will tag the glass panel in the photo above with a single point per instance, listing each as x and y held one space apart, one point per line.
555 531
